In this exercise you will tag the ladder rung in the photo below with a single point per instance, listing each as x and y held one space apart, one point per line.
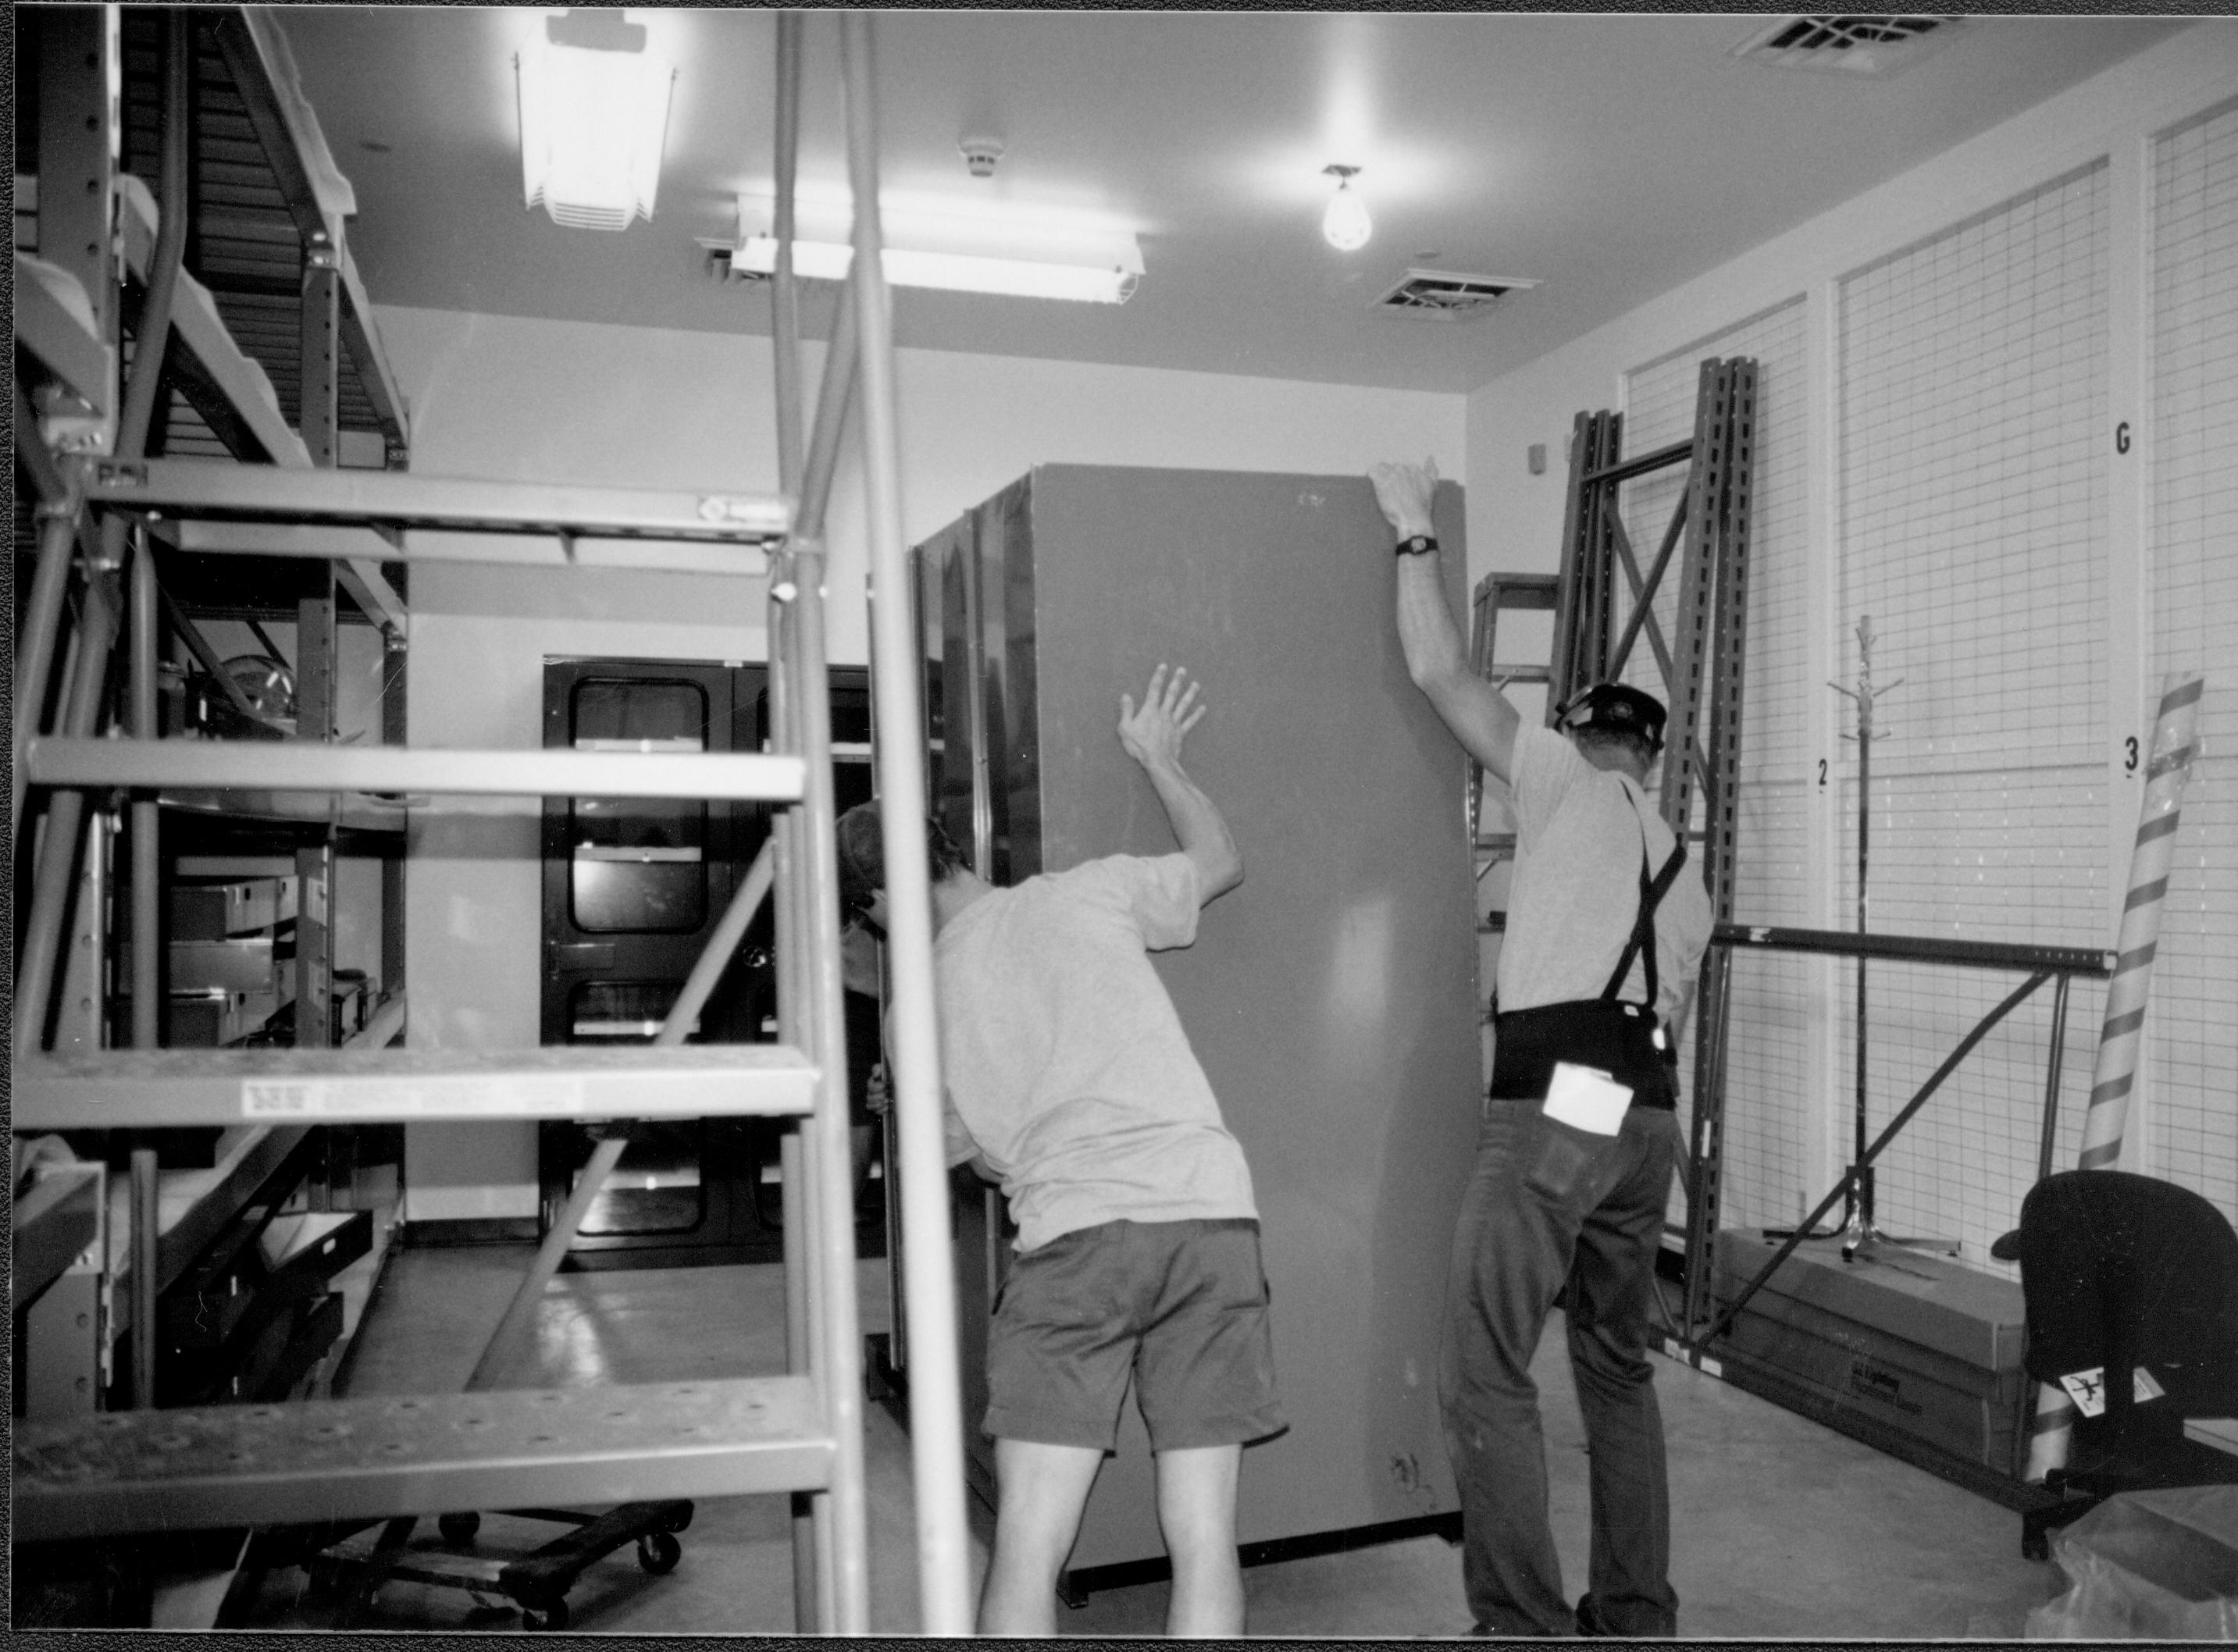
112 1088
401 498
309 765
116 1472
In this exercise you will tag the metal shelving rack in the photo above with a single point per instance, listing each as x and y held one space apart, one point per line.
141 1471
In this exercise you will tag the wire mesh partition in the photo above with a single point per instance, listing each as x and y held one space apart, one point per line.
2191 1056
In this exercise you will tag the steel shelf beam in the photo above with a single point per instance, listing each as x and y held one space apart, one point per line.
119 1089
396 498
120 1473
1675 454
366 547
1925 949
256 765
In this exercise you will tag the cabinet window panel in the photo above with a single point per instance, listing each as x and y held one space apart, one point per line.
621 1012
639 864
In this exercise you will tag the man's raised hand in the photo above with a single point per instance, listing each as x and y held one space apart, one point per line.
1170 709
1404 491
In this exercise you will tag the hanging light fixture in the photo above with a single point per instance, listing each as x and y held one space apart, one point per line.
1345 224
1017 257
593 120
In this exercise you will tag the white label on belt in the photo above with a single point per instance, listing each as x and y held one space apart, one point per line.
395 1095
1586 1098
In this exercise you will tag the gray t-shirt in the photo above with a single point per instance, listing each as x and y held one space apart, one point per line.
1066 1066
1575 894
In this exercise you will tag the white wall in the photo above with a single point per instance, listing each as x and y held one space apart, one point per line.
529 401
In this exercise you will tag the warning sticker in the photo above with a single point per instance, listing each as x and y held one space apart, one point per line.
2088 1389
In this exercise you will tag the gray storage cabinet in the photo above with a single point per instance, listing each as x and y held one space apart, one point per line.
1332 999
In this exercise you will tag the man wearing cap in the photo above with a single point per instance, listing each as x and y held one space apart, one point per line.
1605 926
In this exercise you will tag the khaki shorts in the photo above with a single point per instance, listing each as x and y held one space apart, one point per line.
1180 1306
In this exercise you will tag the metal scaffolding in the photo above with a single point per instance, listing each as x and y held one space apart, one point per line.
148 1471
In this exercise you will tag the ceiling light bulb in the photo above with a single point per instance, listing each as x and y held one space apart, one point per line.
1345 224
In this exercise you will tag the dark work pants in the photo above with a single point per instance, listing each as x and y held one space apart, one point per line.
1549 1204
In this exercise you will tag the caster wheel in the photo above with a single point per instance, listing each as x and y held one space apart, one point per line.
458 1528
658 1552
552 1616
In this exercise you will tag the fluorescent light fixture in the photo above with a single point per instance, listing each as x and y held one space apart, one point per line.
961 251
1345 225
593 120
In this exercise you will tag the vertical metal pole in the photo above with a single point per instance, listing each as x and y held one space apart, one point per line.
318 411
146 897
147 1188
314 863
35 653
800 1275
394 664
833 402
51 888
153 340
935 1427
1861 1184
1693 643
149 346
1561 669
2051 1076
784 294
835 1239
79 47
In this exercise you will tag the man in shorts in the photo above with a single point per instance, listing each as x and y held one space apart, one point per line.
1070 1082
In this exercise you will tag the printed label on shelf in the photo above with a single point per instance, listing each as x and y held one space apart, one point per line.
426 1098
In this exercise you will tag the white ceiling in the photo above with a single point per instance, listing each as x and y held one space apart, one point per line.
1611 157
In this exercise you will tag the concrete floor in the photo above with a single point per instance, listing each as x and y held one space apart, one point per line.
1782 1529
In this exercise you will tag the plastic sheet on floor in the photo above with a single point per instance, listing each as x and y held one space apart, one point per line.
2147 1565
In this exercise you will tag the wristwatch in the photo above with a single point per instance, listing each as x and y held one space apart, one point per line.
1417 545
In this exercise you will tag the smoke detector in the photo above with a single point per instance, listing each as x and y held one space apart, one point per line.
980 155
1445 295
1875 46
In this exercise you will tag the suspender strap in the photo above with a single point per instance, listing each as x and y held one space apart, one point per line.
1642 944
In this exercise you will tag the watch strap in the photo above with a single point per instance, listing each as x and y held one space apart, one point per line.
1417 545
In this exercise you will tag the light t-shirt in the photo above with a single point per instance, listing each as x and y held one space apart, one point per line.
1065 1063
1575 893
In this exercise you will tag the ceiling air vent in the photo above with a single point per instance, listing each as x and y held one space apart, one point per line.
1848 45
1441 295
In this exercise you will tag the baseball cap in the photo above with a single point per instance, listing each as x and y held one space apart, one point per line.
1617 707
